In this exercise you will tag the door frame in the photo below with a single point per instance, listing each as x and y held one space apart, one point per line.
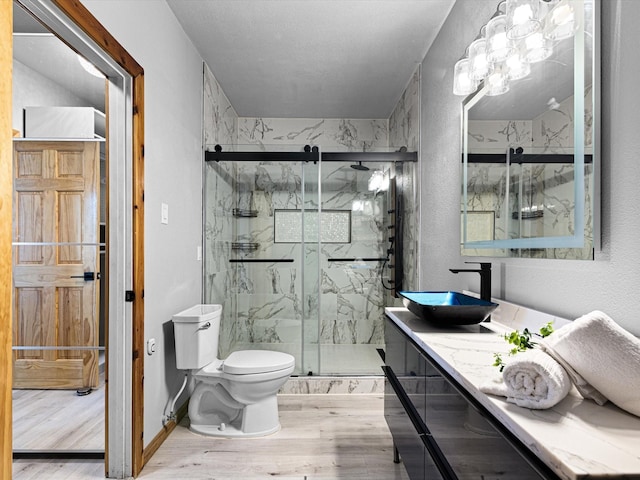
6 201
125 401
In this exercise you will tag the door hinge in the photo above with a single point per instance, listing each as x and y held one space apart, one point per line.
129 296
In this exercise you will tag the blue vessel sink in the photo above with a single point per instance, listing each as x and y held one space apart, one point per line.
448 308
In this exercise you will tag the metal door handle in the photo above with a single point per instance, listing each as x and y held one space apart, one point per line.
88 276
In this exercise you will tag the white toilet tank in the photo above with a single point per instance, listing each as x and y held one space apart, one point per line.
196 332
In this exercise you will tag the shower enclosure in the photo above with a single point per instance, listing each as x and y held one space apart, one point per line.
304 249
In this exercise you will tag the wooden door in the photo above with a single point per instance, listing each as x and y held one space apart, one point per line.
55 261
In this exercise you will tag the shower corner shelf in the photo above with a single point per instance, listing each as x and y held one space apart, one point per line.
241 212
245 246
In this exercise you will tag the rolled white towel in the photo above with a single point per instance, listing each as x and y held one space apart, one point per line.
532 379
602 358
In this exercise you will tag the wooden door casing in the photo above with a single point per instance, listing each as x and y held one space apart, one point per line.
56 232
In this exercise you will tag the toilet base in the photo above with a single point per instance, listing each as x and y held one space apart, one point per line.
229 431
214 413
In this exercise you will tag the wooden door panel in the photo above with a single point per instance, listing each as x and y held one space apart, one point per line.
70 227
56 192
64 276
61 373
29 220
29 303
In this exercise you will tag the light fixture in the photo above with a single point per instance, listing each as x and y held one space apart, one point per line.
519 33
378 182
90 67
560 22
522 18
497 82
479 66
537 47
517 66
463 84
499 47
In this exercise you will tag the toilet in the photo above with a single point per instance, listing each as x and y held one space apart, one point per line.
234 397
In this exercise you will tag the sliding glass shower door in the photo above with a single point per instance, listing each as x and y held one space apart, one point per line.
304 250
261 254
356 285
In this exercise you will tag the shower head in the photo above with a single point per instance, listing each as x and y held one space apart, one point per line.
360 166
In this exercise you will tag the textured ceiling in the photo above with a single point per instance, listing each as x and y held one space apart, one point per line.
312 58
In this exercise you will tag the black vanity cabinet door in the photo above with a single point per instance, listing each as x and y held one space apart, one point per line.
404 405
440 429
473 447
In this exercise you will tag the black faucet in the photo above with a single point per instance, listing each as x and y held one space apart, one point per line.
485 278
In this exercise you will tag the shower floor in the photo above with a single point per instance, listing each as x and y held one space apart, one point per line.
335 359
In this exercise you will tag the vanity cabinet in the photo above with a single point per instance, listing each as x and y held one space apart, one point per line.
438 431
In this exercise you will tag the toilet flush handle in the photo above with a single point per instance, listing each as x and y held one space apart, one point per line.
205 326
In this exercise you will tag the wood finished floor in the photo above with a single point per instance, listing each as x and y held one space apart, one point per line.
58 419
322 437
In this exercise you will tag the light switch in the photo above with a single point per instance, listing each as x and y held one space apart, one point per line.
164 218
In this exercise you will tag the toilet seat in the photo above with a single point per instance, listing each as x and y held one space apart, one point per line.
252 365
247 362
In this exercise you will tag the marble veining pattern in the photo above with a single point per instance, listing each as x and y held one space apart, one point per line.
353 135
576 438
332 303
404 130
220 126
220 122
404 122
333 385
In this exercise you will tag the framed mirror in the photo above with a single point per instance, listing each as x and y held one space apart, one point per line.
530 153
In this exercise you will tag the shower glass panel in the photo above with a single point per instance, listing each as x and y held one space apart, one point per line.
268 289
303 250
355 282
312 236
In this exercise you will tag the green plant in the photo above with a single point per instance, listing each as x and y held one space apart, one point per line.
521 342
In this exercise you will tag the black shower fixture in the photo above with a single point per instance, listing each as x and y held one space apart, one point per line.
360 166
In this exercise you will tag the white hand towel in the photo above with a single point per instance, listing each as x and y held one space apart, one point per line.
532 379
602 358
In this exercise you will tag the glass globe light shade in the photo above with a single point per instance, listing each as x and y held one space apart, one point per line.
479 66
560 22
463 84
537 48
497 82
517 67
498 45
522 18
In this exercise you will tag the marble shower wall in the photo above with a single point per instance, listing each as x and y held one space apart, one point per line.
346 298
404 130
547 187
220 123
331 134
220 126
264 303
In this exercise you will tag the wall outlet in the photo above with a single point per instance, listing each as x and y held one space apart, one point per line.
151 346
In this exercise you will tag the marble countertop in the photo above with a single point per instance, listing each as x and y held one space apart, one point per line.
576 438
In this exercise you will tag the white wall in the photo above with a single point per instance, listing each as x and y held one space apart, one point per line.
31 89
173 175
565 288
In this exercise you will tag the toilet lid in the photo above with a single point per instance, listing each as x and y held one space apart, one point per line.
245 362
